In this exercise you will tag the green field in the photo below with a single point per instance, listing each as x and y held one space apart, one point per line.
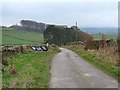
13 36
32 70
108 36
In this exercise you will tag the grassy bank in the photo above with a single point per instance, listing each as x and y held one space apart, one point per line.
28 70
99 59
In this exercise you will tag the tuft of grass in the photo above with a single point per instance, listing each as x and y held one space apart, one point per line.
32 70
100 61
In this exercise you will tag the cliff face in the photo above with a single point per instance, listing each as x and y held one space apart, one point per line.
33 26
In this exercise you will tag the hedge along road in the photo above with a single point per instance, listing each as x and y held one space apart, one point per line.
70 71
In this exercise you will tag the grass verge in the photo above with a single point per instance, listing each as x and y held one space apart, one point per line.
28 70
97 61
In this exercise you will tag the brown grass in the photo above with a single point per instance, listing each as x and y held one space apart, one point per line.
105 59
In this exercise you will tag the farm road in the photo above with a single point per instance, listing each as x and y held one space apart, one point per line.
70 71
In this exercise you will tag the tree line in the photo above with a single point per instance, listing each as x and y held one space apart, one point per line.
62 35
54 34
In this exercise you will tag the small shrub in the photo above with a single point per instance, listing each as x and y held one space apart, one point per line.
13 71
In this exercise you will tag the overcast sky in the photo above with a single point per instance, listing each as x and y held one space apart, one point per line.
87 14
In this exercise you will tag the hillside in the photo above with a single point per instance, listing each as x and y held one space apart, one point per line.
108 36
14 36
103 30
60 35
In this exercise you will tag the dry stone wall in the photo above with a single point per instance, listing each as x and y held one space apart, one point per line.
10 50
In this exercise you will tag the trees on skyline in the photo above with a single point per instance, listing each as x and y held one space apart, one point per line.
60 35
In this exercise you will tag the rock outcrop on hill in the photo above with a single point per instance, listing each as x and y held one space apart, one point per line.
31 26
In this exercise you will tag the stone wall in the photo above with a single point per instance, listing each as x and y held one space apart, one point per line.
10 50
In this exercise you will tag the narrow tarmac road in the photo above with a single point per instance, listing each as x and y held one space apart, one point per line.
70 71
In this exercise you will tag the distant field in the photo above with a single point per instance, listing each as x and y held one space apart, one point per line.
108 36
13 36
104 30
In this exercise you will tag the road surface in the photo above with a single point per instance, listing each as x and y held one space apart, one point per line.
68 70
